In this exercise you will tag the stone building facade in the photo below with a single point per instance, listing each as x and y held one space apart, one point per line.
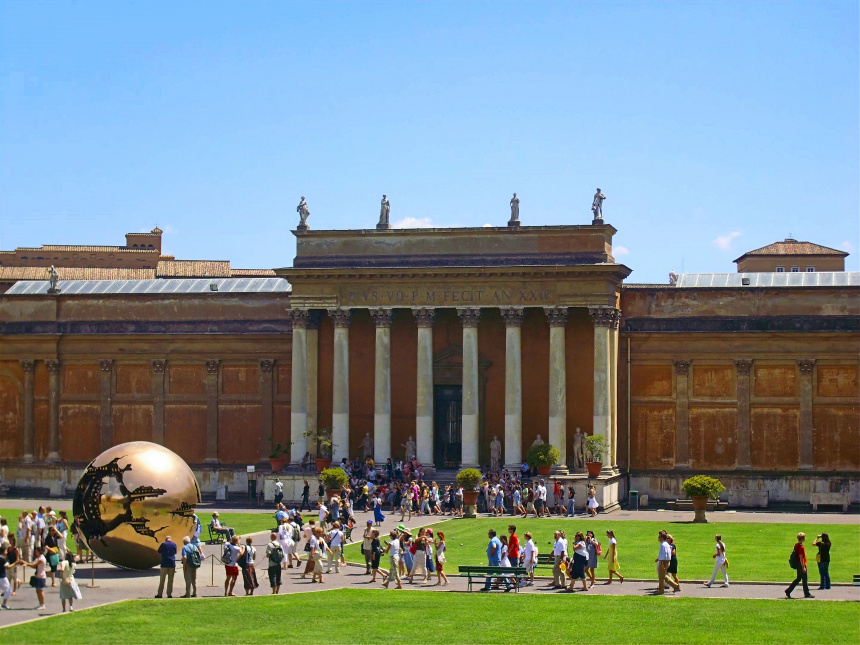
449 337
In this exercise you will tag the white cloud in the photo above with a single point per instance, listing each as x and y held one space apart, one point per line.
724 242
620 250
413 222
487 225
847 246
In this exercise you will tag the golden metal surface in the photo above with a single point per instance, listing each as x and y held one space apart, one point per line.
130 498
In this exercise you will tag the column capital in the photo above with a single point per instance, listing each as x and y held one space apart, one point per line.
53 365
469 316
604 316
806 365
340 317
157 365
267 365
212 365
556 316
382 317
424 316
682 365
513 316
298 318
314 319
743 365
28 365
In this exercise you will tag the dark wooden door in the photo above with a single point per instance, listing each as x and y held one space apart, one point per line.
447 425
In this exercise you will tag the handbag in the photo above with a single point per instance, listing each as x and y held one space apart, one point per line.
32 581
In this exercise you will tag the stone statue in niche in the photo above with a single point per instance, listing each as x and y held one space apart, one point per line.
578 452
304 213
367 445
495 455
538 441
410 448
384 211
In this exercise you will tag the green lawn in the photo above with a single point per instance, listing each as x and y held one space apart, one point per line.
755 551
380 616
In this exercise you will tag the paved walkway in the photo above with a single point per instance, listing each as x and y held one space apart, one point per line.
116 584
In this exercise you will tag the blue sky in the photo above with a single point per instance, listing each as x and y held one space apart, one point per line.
712 127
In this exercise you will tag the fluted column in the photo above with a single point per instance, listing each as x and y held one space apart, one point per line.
744 459
340 388
156 375
211 381
806 367
54 410
424 387
513 388
471 404
682 412
557 317
29 439
382 386
105 390
604 319
299 387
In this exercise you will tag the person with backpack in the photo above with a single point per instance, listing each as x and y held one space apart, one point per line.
721 563
275 554
797 561
192 558
230 557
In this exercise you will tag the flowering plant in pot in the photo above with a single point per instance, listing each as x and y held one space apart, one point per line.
333 479
543 456
700 489
595 445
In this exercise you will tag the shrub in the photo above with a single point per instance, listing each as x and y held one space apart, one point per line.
469 478
278 451
595 445
702 485
543 454
334 478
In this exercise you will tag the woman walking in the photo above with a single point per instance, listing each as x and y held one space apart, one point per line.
594 551
38 580
419 561
13 559
318 549
376 552
378 517
580 560
612 556
673 562
719 562
249 573
393 549
592 504
440 558
823 559
69 589
232 553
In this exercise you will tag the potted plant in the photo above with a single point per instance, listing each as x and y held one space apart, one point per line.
279 457
543 456
595 445
700 489
469 478
324 449
333 479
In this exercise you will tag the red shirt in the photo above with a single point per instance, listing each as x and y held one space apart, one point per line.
513 547
801 554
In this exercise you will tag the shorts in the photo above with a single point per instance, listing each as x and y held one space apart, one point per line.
275 576
530 567
530 506
232 571
538 504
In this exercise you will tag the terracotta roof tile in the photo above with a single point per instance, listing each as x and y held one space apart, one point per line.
193 269
74 273
794 247
241 273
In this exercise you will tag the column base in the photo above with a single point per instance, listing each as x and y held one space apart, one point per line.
462 466
53 457
211 460
560 470
429 469
27 459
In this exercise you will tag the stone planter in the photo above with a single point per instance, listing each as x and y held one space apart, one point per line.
322 464
594 468
331 492
470 503
277 463
700 505
544 471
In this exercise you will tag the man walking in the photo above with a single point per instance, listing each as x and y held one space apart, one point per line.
559 550
367 541
494 559
800 565
664 557
167 549
279 491
275 554
306 493
191 561
335 546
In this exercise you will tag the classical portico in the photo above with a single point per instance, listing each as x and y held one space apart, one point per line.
488 277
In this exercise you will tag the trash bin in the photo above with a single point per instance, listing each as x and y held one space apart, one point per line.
633 505
221 492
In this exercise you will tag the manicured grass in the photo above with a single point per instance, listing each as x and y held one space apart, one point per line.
377 616
244 523
755 551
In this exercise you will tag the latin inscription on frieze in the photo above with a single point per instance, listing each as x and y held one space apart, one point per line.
449 297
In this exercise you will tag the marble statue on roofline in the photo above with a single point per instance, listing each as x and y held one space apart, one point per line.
384 210
53 278
597 206
304 213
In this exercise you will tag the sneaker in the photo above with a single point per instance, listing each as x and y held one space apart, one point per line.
40 607
4 606
71 608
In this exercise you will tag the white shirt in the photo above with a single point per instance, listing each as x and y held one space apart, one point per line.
541 492
529 551
395 548
580 549
323 512
559 548
279 487
336 537
285 534
721 553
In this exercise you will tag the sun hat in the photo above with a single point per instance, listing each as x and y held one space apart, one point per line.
400 527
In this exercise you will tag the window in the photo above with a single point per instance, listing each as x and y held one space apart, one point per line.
810 269
795 269
780 269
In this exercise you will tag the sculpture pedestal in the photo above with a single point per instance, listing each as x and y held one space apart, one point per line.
383 227
607 489
597 221
514 223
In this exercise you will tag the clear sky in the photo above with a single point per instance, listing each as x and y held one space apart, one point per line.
712 127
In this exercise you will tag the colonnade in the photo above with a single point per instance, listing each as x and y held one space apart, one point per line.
605 320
